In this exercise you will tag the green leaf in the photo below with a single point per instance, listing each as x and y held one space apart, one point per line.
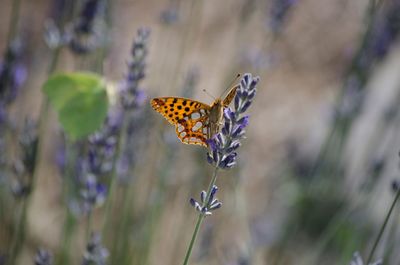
80 100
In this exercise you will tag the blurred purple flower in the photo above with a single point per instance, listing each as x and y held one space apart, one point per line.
224 144
131 95
28 141
103 144
132 98
95 253
385 30
278 12
382 35
97 164
12 73
43 257
24 165
357 260
85 33
395 185
93 193
170 15
12 76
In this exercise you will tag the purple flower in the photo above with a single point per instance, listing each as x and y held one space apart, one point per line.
85 33
131 98
385 30
24 166
95 252
279 10
12 73
131 95
223 145
93 193
357 260
43 257
95 165
395 185
206 205
170 15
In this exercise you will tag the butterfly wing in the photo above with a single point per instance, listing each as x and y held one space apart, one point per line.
189 117
229 97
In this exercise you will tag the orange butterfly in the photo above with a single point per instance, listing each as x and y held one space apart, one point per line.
194 122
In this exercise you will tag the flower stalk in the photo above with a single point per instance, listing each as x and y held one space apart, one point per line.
222 153
385 222
200 217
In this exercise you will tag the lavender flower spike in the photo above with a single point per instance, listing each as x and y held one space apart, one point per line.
206 205
43 257
86 32
95 253
223 145
132 95
357 260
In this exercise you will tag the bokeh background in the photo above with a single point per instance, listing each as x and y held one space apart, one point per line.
316 174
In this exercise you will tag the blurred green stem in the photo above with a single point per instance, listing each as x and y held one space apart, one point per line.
378 238
89 226
121 240
341 126
112 185
18 237
12 27
200 218
70 219
390 244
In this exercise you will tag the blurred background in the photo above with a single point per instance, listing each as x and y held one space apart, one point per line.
316 174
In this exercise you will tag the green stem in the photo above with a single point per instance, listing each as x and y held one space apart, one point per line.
70 220
88 226
196 231
67 238
112 185
19 234
121 241
371 254
12 29
21 222
200 218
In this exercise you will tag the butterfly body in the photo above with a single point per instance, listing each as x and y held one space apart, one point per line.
194 121
215 117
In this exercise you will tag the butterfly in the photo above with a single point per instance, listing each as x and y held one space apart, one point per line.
195 122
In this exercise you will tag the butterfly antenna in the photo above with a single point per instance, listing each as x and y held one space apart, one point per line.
231 84
205 91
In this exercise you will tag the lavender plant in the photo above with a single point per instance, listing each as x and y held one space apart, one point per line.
24 166
96 165
224 144
357 260
95 253
43 257
132 97
223 150
12 73
385 222
85 33
12 76
278 13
